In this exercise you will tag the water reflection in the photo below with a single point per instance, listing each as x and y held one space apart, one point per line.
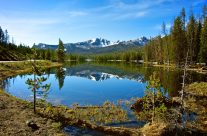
170 79
60 76
94 83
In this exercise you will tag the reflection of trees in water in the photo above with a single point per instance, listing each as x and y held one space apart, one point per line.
60 76
48 72
170 78
4 84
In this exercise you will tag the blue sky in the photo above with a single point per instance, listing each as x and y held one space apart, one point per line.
35 21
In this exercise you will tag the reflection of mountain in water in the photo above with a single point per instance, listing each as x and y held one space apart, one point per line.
96 76
101 73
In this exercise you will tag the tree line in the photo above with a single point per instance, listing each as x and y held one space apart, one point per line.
127 56
58 55
10 51
184 37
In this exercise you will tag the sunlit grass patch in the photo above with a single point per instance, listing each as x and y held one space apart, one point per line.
198 88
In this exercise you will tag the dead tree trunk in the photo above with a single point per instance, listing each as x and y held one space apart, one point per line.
183 88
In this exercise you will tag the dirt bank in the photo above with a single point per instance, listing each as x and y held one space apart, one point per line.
14 114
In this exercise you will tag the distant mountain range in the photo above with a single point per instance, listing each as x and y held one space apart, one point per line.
97 45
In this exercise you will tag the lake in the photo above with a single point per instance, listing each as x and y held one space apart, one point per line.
95 83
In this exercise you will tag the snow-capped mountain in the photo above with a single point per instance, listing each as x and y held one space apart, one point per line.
96 76
92 43
138 41
96 44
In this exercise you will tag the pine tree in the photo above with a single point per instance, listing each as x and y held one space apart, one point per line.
53 55
36 84
146 53
191 37
179 40
6 37
43 54
164 31
203 47
183 17
204 12
48 54
158 49
60 52
197 39
1 35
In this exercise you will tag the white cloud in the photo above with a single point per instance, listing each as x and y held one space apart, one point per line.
130 15
141 14
139 5
120 10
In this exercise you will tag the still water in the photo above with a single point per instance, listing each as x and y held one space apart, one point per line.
91 83
95 83
83 84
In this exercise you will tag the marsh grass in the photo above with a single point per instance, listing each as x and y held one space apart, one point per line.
198 88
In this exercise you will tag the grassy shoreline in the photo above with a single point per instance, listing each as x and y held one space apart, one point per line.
8 69
197 69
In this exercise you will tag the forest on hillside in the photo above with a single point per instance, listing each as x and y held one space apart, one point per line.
11 52
185 38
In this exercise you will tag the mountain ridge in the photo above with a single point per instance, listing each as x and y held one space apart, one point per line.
97 45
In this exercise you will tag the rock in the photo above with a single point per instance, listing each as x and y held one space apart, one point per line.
31 123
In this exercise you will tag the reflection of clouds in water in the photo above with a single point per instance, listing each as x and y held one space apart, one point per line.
37 97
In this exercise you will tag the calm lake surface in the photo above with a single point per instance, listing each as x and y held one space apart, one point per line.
95 83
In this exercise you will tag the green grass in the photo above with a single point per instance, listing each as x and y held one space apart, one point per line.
198 88
13 68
